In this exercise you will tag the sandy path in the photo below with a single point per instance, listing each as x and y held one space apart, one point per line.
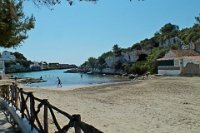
159 105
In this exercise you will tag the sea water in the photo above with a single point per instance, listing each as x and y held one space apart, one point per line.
67 79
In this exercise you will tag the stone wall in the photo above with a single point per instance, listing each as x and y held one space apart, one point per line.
191 69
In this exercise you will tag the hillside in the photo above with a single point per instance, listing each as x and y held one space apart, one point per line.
141 57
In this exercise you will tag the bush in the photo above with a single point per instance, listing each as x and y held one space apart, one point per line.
151 62
174 46
138 68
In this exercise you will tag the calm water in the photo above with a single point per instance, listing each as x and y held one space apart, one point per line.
68 79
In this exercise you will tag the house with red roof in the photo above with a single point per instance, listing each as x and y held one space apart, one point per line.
179 62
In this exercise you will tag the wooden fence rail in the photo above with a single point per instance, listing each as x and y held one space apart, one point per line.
25 102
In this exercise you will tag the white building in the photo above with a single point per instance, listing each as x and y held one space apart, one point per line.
44 65
7 56
35 66
179 62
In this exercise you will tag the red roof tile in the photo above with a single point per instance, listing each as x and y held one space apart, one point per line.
195 58
181 53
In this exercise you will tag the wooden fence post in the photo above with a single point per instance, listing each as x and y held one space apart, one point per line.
13 93
22 108
77 119
46 116
32 105
7 92
17 97
1 90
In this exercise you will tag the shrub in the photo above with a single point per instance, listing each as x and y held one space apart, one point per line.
138 68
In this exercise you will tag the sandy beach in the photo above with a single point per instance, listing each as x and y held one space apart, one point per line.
156 105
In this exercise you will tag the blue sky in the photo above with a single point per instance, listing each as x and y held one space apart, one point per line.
72 34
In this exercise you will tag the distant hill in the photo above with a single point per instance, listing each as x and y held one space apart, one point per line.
19 63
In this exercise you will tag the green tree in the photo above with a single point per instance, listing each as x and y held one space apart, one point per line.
151 63
168 31
198 19
101 63
24 63
84 65
116 50
21 59
13 23
136 46
92 62
19 56
191 34
167 28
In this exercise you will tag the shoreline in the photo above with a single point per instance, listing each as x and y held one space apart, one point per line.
66 88
43 81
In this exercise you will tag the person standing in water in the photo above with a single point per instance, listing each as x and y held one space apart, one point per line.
59 82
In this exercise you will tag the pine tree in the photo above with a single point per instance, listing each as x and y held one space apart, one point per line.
13 23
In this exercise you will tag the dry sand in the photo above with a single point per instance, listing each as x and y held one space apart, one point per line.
157 105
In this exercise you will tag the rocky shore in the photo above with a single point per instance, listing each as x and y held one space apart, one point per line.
27 80
77 70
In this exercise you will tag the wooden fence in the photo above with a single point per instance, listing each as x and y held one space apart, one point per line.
25 102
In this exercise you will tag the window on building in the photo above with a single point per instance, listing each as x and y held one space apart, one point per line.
166 63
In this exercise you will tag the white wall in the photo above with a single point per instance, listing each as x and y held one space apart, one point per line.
176 62
169 72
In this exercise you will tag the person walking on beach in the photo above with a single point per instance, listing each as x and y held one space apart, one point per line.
59 82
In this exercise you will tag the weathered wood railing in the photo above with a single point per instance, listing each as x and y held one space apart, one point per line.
31 106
